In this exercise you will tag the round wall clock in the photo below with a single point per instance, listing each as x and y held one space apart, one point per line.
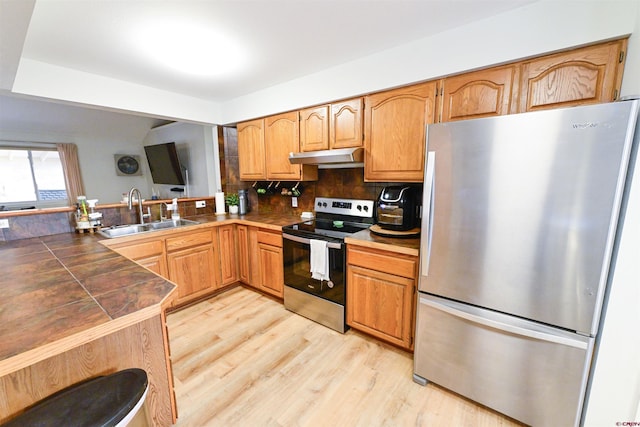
127 164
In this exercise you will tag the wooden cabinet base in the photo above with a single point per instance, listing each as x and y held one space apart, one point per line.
381 294
138 346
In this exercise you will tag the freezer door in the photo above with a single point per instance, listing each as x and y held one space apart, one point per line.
520 211
533 373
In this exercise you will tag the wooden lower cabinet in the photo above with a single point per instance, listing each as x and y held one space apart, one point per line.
242 235
260 263
191 261
148 253
381 294
137 346
227 250
271 263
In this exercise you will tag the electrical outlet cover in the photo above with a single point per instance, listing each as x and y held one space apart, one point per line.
4 223
201 204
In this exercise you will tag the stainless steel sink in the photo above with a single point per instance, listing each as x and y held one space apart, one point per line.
127 230
161 225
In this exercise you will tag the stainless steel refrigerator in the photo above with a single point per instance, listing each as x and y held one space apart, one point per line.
519 228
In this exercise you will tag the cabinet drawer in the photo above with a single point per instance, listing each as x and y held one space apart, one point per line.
188 240
141 250
386 262
273 239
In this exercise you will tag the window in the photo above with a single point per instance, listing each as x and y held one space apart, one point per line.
31 177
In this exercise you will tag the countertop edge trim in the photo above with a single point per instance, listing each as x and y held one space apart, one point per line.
382 246
43 352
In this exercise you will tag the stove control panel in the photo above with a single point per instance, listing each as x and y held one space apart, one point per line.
353 207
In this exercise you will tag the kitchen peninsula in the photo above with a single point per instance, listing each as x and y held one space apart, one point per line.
73 309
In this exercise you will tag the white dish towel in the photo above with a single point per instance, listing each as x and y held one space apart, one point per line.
319 260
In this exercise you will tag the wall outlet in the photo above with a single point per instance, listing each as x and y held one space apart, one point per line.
4 223
201 204
294 202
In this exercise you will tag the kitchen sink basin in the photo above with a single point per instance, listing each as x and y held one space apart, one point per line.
161 225
127 230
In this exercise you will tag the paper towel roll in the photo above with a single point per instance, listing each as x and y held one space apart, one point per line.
220 203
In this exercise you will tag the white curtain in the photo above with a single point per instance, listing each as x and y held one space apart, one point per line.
71 167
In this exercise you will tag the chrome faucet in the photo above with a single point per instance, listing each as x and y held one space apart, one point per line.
130 204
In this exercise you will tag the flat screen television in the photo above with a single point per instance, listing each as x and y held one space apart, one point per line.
164 163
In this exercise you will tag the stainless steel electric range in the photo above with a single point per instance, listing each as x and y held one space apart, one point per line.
322 300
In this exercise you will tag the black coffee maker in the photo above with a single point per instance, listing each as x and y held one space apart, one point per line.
398 208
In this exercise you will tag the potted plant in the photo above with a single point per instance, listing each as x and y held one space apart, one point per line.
233 201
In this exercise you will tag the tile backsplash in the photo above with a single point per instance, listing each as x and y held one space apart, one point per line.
346 183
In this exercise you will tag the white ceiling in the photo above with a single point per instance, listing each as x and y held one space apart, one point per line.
282 39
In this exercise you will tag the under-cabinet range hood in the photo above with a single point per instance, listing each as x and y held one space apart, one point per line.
328 159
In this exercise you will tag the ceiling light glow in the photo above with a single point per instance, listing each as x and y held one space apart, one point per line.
190 49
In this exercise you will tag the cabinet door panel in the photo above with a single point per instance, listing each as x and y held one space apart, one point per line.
346 124
193 271
157 264
185 240
251 150
582 76
380 304
227 251
255 271
148 253
314 129
478 94
281 138
272 269
395 133
243 254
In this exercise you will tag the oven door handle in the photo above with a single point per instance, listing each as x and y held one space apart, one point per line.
304 241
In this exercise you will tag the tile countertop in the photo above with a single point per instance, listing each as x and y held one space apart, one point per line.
63 290
370 240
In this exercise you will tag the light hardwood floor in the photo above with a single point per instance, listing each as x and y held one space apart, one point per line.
242 359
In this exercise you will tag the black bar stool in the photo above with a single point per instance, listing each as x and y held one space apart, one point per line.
112 400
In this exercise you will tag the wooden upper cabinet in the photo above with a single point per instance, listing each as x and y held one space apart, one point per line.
251 150
281 137
588 75
314 128
338 125
478 94
394 135
345 128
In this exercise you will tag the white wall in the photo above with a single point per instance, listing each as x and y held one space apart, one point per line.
615 390
536 29
85 88
98 134
195 145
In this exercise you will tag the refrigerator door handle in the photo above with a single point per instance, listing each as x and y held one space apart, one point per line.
458 310
427 217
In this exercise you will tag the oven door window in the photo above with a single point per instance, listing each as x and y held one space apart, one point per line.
297 272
